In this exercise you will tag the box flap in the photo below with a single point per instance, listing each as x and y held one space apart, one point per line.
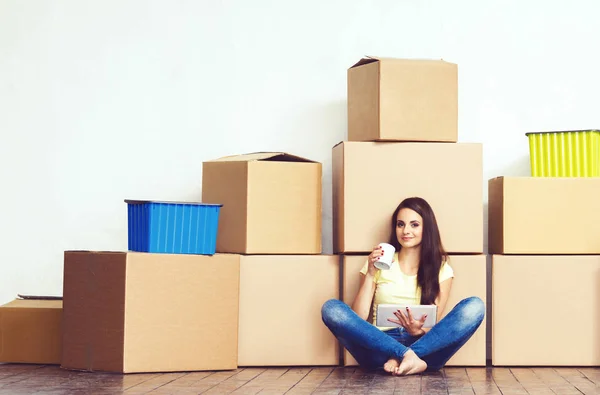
365 60
38 297
372 59
267 156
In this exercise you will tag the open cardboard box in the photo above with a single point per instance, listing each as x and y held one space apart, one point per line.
403 100
271 203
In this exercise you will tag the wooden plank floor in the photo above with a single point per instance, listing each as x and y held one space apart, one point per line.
51 380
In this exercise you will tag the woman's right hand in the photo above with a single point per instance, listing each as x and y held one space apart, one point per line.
374 257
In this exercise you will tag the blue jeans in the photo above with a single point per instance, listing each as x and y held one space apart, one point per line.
372 347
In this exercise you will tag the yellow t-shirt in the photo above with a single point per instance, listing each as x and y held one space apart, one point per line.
395 287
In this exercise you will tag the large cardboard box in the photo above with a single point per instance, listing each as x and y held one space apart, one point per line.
403 100
280 310
543 215
271 203
371 179
31 331
138 312
546 310
469 280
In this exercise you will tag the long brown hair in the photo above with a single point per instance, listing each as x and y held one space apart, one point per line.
432 251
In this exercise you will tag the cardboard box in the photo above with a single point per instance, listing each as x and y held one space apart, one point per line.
403 100
280 310
371 179
542 215
546 310
469 280
271 203
31 331
138 312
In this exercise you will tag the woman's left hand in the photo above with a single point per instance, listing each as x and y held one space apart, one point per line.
407 321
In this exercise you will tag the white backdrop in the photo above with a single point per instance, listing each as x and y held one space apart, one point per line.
106 100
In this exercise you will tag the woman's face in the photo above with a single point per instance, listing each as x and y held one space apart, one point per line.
409 228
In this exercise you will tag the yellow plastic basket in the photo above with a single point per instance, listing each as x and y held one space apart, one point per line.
565 154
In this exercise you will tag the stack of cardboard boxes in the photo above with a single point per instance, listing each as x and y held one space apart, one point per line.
257 301
253 303
544 233
402 132
272 216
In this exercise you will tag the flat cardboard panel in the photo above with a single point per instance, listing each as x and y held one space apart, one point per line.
31 331
403 100
181 312
138 312
284 208
543 215
546 310
363 102
226 183
469 280
448 176
93 311
280 303
271 205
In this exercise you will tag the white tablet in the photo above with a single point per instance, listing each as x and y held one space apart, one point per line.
385 311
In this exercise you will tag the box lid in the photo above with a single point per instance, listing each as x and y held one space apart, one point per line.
265 156
136 201
564 131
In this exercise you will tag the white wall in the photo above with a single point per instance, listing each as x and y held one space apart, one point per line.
106 100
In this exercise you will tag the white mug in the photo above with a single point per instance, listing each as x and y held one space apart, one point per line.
385 261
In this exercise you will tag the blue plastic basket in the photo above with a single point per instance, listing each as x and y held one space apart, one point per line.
172 227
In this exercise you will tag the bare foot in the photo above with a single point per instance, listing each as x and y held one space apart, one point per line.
411 364
391 365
